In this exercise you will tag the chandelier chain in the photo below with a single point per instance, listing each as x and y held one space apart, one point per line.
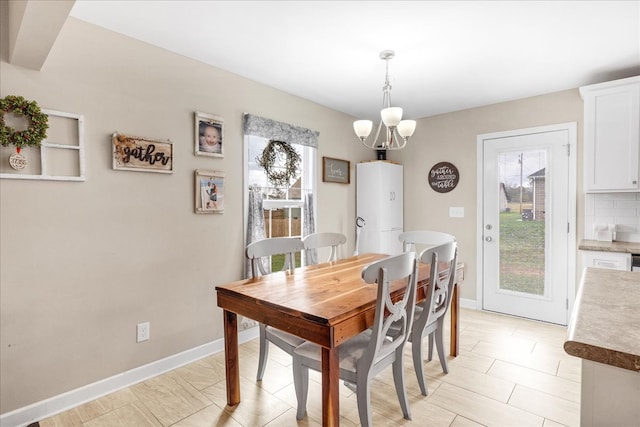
386 97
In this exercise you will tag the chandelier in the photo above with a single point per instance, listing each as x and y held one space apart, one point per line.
397 131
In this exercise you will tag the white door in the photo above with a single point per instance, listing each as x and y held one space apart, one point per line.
528 222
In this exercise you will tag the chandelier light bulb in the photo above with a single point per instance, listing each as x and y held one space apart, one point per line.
406 128
362 128
391 116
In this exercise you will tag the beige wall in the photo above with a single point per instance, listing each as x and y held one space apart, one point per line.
83 263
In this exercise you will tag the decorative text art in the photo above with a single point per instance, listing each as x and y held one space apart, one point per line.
443 177
141 154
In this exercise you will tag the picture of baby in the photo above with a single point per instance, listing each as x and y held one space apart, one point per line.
209 135
210 138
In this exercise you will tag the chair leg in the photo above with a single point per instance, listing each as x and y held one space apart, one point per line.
430 347
398 379
264 351
440 348
363 394
416 350
301 385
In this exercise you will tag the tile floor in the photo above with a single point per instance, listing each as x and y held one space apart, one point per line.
510 372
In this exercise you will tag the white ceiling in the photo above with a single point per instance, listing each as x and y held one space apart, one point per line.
450 55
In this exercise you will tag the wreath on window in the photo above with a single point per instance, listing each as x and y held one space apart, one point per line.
280 162
38 122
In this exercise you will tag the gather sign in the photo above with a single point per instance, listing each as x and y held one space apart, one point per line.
141 154
443 177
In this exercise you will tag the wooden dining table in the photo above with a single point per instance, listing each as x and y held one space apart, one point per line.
325 303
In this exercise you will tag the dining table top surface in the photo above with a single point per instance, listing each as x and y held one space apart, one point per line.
325 294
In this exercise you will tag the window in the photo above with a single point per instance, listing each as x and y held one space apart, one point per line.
286 211
283 206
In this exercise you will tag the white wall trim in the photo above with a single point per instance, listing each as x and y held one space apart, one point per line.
469 303
65 401
480 222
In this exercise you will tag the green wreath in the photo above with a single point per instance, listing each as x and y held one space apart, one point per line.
271 159
38 122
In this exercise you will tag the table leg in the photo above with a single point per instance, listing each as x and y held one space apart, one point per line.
455 322
231 357
330 390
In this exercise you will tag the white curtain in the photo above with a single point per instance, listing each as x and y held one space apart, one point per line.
255 224
309 227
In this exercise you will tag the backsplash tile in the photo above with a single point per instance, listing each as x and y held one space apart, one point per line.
620 209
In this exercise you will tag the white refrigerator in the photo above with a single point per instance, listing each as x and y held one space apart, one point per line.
379 201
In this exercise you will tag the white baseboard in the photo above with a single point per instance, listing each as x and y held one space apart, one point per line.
469 303
65 401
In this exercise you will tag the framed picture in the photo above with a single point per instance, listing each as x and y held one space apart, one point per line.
209 135
209 189
335 170
134 153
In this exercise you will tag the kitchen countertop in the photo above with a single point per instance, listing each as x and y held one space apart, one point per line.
605 322
595 245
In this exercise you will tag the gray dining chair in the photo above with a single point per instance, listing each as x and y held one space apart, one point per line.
424 239
430 313
258 253
362 357
316 241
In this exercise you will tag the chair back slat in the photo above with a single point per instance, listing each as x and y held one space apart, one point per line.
264 248
424 238
322 240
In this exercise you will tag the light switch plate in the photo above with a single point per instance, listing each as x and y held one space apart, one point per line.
456 212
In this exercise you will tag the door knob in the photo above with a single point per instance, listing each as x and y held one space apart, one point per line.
488 239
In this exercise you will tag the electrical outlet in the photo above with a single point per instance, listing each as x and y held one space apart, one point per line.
144 332
248 323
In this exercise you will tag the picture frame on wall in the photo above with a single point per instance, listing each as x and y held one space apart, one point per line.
140 154
209 135
335 170
209 191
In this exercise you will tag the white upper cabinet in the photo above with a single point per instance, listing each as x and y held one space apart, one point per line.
612 136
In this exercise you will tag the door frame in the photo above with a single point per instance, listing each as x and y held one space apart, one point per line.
570 127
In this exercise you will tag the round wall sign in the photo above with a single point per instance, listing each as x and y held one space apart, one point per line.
17 161
443 177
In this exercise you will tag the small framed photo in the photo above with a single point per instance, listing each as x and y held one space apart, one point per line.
209 135
335 170
209 192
